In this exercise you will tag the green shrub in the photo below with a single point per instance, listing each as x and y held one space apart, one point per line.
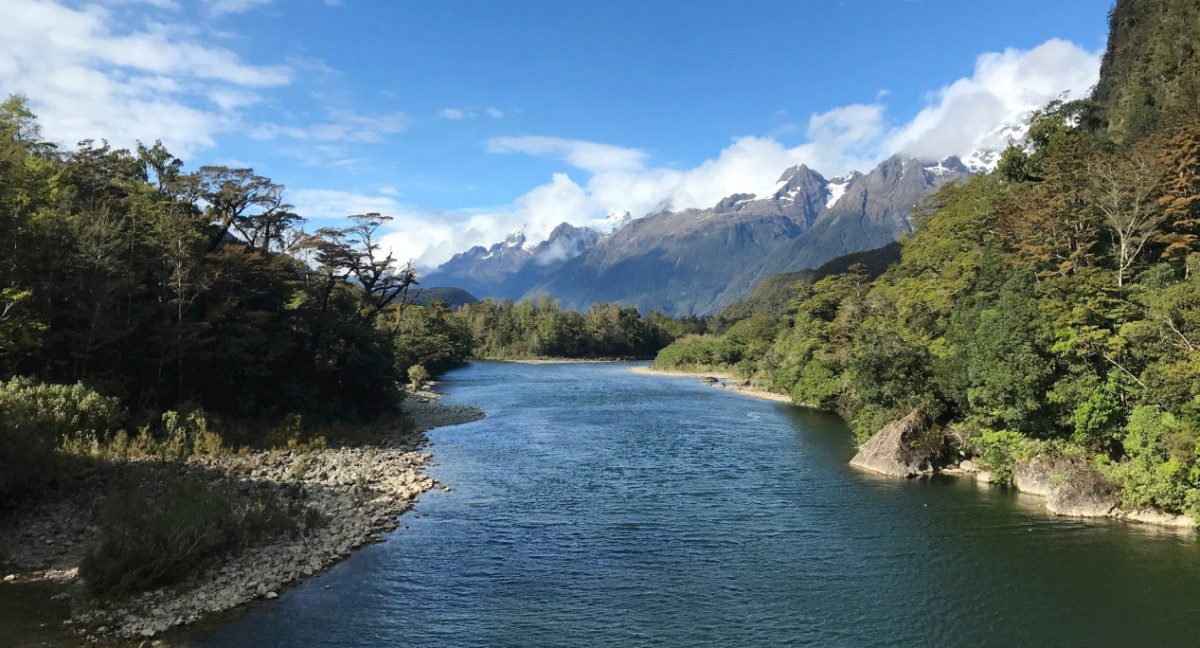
36 419
418 376
1159 469
148 541
999 450
155 537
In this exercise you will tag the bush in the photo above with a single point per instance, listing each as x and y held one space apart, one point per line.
36 419
1158 471
418 376
151 539
999 450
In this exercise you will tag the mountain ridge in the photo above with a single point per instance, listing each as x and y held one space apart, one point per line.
695 261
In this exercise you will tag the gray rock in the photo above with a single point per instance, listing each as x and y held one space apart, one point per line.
898 449
1085 493
1040 475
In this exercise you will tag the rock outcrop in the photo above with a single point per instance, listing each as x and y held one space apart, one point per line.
901 449
1073 488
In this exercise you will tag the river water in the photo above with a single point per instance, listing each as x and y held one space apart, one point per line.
596 507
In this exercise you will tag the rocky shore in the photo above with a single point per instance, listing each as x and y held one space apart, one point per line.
358 491
718 380
1071 487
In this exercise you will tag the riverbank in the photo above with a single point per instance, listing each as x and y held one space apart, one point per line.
722 380
1071 485
357 491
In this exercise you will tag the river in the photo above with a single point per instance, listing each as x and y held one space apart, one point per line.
596 507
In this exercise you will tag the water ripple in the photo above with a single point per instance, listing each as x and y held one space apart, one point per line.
594 507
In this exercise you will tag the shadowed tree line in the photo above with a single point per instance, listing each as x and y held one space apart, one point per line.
159 286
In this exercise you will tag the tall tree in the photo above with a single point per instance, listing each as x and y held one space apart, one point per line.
1124 189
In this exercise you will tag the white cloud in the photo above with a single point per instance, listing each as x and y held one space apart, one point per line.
161 4
957 119
963 116
589 156
329 203
343 126
89 76
460 114
411 233
219 7
454 114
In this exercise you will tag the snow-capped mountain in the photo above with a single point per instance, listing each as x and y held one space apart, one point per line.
614 221
694 261
503 268
1014 130
836 187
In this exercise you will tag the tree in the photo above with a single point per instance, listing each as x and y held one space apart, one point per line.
1009 369
355 252
229 193
1180 201
1124 189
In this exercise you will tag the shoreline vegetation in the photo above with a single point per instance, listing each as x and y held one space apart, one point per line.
720 379
1042 323
1066 486
188 374
350 494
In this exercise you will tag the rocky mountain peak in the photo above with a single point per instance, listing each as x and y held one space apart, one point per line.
615 221
730 203
516 238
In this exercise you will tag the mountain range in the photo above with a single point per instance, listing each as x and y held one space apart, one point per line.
695 261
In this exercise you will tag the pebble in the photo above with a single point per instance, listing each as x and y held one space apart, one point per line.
358 491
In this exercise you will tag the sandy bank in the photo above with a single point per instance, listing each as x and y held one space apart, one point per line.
723 381
359 490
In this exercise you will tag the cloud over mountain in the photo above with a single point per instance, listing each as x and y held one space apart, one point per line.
957 119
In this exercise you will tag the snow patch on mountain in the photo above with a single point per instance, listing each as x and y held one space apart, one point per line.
837 187
614 221
1012 131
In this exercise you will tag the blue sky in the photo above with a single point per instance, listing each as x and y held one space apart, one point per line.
467 119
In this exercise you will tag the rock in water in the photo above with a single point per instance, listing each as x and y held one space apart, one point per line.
1085 493
902 449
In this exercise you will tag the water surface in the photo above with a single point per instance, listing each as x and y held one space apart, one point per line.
595 507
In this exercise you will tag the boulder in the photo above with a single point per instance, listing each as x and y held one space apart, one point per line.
901 449
1040 475
1084 493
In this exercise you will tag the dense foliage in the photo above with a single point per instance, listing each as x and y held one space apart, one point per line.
157 537
159 286
772 295
540 328
1050 306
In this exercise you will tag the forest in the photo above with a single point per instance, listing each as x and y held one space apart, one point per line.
1050 307
135 294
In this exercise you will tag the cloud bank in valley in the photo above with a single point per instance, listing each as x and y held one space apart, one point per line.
958 118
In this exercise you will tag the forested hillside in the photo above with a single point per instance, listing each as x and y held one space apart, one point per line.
1050 307
534 328
140 299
